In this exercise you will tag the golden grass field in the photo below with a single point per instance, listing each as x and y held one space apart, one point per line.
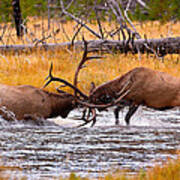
32 68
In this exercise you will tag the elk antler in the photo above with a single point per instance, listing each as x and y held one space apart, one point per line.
52 78
92 106
93 119
85 58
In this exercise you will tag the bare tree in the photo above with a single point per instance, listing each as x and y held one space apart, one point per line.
17 17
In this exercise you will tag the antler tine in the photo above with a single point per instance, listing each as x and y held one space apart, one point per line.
104 106
122 96
49 76
61 91
52 78
94 57
81 64
86 122
93 119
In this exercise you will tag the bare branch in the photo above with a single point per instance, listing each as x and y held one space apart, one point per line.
75 34
117 11
99 23
129 21
3 32
79 21
142 3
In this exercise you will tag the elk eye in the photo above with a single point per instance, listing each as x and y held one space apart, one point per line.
105 98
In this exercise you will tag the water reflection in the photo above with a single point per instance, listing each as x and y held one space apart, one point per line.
50 151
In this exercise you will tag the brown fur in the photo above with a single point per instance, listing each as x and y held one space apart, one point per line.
26 101
147 87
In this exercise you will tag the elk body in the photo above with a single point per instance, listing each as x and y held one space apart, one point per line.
26 101
140 86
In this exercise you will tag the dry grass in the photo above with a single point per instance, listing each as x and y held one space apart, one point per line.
38 28
32 68
170 170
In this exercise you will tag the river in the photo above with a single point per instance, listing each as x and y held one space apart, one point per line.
49 151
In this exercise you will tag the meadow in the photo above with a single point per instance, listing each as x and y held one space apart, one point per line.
32 68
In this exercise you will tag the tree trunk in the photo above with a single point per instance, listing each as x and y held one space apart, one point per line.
17 17
160 46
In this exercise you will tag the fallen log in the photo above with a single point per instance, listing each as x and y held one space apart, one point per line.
161 46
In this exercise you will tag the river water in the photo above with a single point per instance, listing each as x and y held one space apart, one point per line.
49 151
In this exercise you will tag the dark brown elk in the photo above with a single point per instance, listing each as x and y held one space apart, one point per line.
26 102
140 86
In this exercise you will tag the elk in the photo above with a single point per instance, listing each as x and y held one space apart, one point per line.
140 86
28 102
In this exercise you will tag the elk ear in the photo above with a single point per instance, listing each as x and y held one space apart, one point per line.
93 86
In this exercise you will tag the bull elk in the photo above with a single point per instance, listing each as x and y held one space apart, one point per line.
140 86
28 102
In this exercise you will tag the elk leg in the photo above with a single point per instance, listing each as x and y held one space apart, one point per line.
84 114
94 122
132 110
116 113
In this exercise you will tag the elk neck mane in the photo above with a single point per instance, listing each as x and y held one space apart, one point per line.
113 86
62 95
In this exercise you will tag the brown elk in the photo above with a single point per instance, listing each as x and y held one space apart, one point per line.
28 102
140 86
